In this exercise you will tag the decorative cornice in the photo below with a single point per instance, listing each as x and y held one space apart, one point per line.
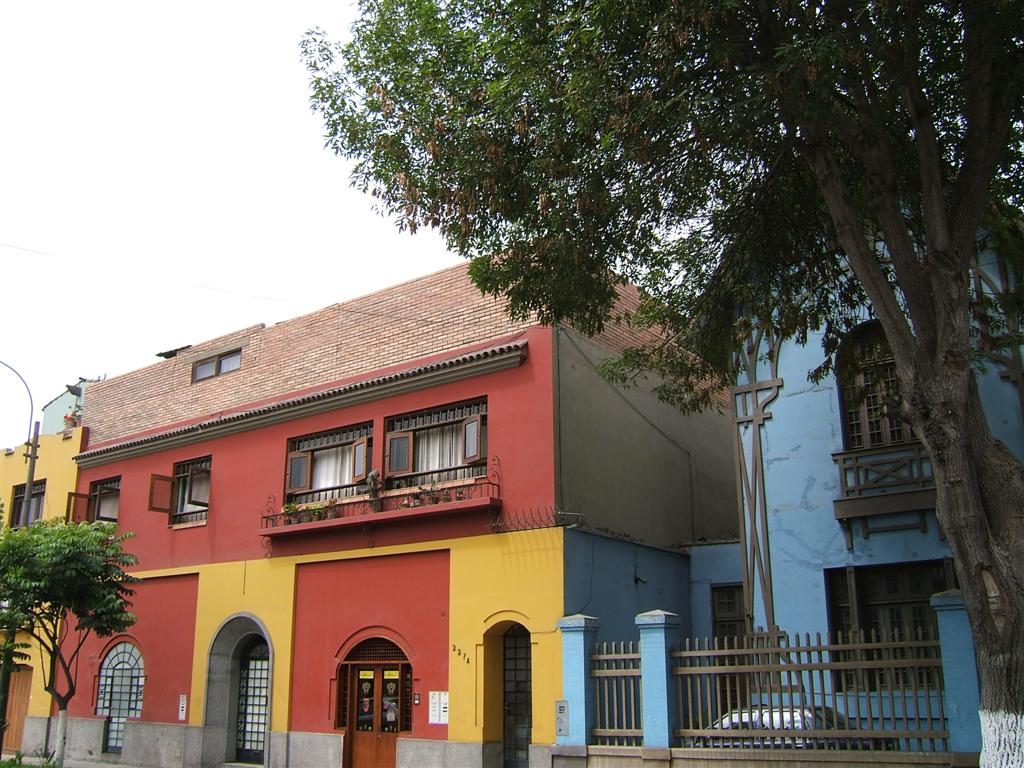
478 363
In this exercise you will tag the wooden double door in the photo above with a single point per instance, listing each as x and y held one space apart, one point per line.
376 713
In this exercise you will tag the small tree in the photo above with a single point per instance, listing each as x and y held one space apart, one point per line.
60 582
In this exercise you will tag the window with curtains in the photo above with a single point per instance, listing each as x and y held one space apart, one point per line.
328 465
437 446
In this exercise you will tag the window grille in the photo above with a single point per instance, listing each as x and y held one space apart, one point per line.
119 693
376 649
445 414
331 439
253 702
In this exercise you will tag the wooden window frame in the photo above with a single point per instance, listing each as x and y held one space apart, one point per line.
74 500
410 435
17 503
218 361
154 481
193 473
468 458
307 477
362 444
296 485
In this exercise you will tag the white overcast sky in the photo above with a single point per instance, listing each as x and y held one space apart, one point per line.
163 181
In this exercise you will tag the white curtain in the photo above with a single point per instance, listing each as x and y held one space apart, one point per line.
332 467
438 448
106 508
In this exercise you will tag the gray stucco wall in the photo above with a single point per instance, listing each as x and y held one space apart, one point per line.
635 465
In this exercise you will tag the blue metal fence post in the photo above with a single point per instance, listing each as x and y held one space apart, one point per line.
959 672
657 633
578 637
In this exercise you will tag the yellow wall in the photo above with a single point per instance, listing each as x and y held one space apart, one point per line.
494 579
55 464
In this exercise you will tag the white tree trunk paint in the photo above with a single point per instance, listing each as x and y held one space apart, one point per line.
1002 739
58 747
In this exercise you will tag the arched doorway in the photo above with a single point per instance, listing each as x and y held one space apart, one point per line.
253 700
517 697
119 692
374 702
238 694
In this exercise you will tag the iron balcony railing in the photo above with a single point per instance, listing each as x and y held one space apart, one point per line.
387 501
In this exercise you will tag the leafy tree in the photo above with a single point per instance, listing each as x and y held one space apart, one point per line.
747 163
60 582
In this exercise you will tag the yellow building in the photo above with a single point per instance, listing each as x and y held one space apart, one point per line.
55 476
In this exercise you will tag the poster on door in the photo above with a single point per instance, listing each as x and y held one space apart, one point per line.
389 702
364 701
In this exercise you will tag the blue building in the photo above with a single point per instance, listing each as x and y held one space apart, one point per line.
839 544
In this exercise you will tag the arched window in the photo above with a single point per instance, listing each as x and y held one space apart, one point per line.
867 375
119 694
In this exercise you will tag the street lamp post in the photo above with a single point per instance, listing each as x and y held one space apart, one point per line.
31 451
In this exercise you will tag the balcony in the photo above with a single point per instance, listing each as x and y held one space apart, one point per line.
891 480
404 504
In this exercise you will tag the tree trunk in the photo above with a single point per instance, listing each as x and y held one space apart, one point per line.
62 729
979 498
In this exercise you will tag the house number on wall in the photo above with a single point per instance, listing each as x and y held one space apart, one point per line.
460 653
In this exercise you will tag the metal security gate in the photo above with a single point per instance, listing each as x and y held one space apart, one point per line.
253 701
518 698
119 694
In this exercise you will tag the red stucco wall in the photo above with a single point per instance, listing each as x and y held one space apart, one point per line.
247 473
337 604
164 633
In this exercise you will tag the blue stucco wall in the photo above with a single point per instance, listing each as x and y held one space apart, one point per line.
710 564
801 483
614 580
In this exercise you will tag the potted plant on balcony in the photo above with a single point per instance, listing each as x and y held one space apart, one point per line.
290 513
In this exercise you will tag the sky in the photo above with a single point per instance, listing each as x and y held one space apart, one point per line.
163 181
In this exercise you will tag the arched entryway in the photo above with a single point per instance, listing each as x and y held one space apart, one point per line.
374 702
517 697
238 694
253 700
508 688
119 692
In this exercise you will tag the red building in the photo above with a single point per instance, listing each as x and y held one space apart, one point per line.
357 530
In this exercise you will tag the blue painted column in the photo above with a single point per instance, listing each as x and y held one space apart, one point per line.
658 631
579 633
959 672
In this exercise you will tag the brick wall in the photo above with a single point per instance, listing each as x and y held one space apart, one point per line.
426 316
433 314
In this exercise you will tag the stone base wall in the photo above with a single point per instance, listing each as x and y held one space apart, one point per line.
161 745
84 737
293 749
168 745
